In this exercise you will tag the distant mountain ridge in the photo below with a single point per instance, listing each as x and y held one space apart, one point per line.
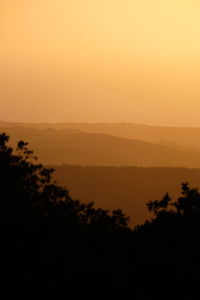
186 138
73 146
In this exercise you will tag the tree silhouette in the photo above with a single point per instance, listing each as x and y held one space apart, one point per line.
45 234
186 205
30 196
43 228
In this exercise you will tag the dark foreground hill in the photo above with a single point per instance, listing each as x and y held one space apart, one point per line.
128 188
79 148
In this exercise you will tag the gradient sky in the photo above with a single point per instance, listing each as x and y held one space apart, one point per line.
100 60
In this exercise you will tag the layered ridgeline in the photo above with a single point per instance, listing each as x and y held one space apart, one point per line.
116 170
129 188
73 146
176 137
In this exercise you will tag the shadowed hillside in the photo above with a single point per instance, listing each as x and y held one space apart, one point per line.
126 187
80 148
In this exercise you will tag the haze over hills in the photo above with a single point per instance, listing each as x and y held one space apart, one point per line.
110 170
95 90
128 188
75 147
187 138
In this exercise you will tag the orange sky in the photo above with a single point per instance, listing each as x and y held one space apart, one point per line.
100 60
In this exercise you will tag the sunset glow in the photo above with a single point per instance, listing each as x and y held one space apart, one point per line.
100 61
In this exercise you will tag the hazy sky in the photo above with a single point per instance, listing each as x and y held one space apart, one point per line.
100 60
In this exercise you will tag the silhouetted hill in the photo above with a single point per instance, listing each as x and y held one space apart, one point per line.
176 137
128 188
79 148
